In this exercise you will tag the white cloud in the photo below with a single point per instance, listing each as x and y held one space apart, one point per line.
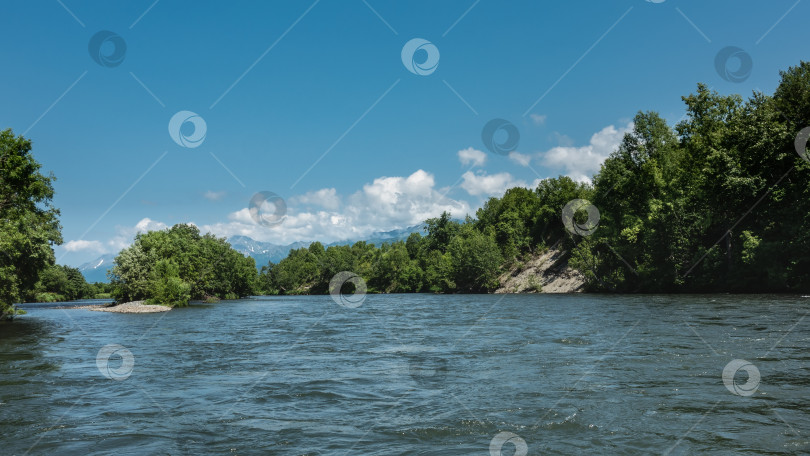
520 159
326 198
384 204
122 239
472 156
580 163
538 119
126 234
147 224
81 245
214 196
482 184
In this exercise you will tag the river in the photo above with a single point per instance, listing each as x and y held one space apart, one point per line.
413 374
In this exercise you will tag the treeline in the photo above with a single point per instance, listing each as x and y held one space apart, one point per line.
719 203
65 283
451 257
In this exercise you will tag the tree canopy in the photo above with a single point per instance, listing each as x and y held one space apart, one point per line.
29 223
718 202
175 265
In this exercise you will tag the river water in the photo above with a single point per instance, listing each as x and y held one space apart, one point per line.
413 374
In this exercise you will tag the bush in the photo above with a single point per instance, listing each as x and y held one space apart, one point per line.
47 296
167 288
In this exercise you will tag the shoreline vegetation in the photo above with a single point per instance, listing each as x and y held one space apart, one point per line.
716 203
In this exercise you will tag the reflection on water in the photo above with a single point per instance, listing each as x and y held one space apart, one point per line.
412 374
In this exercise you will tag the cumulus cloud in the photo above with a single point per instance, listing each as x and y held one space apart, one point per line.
520 159
82 245
482 184
580 163
386 203
538 119
470 156
126 234
214 196
123 238
326 198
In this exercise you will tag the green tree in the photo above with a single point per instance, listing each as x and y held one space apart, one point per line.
296 273
29 223
440 231
208 265
394 271
166 286
61 283
476 260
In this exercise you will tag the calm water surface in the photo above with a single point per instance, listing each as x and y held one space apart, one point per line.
412 374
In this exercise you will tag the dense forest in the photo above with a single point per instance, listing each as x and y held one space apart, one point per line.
719 202
452 256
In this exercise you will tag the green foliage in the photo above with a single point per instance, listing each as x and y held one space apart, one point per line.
175 265
440 231
720 203
535 285
476 260
64 282
167 288
29 224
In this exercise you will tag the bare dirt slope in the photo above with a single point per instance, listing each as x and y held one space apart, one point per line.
548 271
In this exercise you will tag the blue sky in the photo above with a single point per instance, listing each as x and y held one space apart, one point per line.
282 84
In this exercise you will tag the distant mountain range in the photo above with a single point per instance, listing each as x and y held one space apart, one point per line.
262 252
96 270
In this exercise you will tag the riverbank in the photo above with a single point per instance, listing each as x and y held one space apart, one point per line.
128 307
546 272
